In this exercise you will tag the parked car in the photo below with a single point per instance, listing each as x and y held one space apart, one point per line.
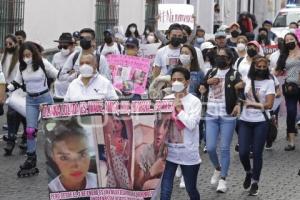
282 20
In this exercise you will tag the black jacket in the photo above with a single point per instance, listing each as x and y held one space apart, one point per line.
231 94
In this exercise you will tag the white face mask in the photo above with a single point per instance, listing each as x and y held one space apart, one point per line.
65 52
28 61
241 46
132 29
185 59
151 39
86 70
177 87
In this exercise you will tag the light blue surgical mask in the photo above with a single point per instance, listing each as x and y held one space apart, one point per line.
200 40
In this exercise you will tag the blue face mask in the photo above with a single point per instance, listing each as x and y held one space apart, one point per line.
200 40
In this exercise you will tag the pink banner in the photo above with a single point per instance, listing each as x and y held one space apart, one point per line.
129 73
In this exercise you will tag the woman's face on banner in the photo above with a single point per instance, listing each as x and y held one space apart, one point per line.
118 143
72 158
161 129
118 126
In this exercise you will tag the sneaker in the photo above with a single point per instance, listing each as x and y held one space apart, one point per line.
268 146
289 148
215 177
251 155
222 188
4 127
205 149
247 181
236 148
178 172
182 184
253 190
298 124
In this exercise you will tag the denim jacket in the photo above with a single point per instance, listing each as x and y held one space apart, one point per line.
195 80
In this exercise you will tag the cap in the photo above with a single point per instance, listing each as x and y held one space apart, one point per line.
220 34
108 32
132 41
65 38
267 22
207 45
76 35
255 43
234 24
223 28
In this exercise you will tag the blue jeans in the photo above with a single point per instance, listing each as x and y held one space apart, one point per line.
32 115
223 127
189 172
252 135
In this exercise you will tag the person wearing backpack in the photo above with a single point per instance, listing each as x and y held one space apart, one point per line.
110 46
32 77
70 70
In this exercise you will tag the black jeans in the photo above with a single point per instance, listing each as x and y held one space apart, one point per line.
291 109
189 172
252 135
13 122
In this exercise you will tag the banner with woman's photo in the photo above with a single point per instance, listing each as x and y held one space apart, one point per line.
129 73
106 149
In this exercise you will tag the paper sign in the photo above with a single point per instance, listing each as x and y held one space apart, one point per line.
129 73
297 32
269 49
175 13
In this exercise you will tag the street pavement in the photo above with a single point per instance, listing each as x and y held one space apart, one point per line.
279 179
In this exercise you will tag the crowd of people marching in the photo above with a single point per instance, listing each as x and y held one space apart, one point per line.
221 85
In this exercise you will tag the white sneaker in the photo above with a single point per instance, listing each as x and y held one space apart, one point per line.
222 188
182 184
178 172
215 178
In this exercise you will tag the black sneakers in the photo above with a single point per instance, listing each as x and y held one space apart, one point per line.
253 190
247 181
289 148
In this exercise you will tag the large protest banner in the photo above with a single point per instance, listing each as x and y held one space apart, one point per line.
129 73
269 49
106 149
175 13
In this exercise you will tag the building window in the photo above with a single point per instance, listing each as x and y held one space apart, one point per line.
151 11
107 16
11 18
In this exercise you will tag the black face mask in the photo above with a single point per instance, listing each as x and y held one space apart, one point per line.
175 42
11 49
221 62
290 45
235 34
263 36
251 52
184 39
85 44
262 73
108 40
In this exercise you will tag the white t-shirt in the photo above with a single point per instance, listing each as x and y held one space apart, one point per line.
111 49
262 88
99 88
273 59
244 68
36 81
185 149
166 59
9 77
56 186
60 87
216 104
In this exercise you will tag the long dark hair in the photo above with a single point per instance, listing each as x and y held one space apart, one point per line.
36 56
128 33
194 62
148 27
14 59
284 53
257 59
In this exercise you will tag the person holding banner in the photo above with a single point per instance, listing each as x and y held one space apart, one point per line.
10 66
69 151
90 84
183 138
33 74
